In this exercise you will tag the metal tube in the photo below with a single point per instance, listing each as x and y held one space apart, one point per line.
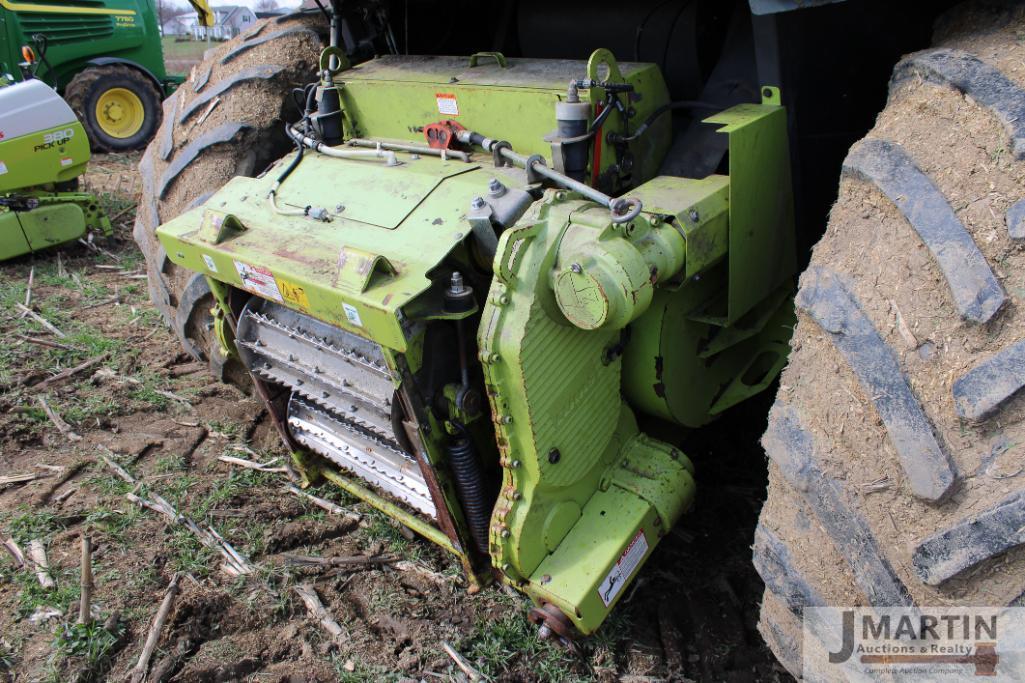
559 178
414 149
317 146
432 534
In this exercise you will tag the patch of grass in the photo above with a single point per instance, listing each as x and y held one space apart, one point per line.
380 527
170 463
109 484
32 596
146 577
114 523
146 391
497 645
236 483
88 405
91 642
29 524
177 490
232 430
190 556
183 49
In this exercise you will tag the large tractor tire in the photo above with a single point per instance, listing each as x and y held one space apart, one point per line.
119 106
227 119
897 437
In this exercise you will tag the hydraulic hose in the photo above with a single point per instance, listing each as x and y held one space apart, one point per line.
681 104
317 146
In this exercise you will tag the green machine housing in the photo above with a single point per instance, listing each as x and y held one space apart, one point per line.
43 151
468 344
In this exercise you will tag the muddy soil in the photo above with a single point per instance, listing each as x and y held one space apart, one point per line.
152 410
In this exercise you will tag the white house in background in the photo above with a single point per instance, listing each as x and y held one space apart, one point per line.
229 21
178 26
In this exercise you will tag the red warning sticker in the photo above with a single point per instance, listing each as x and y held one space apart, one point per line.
258 280
447 104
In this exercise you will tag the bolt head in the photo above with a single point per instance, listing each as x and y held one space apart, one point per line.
477 203
496 188
576 268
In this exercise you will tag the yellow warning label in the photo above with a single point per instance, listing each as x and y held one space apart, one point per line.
293 293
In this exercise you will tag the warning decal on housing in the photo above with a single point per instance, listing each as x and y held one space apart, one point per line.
447 103
259 281
624 567
294 294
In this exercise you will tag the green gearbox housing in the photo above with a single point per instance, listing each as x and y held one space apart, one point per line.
467 344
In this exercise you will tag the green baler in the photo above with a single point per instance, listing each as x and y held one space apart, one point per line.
463 288
43 151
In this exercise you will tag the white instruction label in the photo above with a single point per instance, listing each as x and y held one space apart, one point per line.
210 265
259 281
352 315
624 567
447 103
66 161
3 168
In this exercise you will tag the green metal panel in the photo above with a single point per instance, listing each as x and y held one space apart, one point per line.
60 217
122 29
585 495
392 96
12 238
322 268
762 251
54 155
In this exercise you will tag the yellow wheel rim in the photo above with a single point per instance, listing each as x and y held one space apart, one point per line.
119 113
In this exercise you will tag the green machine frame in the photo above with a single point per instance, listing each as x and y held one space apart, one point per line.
684 310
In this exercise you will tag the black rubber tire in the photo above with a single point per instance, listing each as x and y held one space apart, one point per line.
86 88
226 120
897 430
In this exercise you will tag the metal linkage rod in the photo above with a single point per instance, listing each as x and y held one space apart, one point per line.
623 209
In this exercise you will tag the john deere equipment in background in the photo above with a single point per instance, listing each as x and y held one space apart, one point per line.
43 151
105 58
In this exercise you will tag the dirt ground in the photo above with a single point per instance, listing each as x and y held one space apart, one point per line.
148 408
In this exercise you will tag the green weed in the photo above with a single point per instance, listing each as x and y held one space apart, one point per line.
497 644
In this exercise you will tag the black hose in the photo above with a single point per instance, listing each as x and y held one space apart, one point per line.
465 465
308 91
295 162
679 104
